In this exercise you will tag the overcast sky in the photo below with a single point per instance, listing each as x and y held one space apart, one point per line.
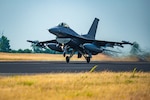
119 19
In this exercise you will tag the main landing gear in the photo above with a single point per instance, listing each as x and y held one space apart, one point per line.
88 59
67 59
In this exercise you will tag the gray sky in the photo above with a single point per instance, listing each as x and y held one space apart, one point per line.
119 19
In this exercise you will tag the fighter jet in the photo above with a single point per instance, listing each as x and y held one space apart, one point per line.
69 42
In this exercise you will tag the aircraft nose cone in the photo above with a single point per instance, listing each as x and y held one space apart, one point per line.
51 30
54 30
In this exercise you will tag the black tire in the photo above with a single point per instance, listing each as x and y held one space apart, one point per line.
64 54
88 59
67 59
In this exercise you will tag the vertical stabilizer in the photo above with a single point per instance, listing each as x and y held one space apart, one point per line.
92 32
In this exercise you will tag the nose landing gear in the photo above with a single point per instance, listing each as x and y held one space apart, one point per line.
68 57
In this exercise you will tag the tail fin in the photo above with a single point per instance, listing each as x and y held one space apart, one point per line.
92 32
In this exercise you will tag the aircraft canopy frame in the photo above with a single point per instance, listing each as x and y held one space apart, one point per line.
63 25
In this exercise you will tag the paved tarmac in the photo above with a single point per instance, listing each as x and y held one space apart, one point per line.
29 67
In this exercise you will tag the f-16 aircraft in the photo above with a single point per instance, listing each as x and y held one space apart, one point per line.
69 42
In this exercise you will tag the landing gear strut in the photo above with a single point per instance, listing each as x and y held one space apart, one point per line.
68 57
87 56
88 59
64 54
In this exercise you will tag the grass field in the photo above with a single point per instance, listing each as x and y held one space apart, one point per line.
76 86
73 86
58 57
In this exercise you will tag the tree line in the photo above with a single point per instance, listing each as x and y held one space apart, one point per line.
5 47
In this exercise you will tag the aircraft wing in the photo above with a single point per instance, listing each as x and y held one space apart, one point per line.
49 41
42 43
111 44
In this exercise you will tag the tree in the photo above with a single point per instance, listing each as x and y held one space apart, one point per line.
20 51
47 50
27 51
4 44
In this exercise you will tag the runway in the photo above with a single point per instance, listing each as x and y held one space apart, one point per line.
29 67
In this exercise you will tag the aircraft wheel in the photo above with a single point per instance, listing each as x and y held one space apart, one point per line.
88 59
67 59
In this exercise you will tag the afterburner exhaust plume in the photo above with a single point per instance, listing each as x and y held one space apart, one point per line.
136 51
135 54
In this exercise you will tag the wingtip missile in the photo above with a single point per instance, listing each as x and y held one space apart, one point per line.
29 41
127 42
32 41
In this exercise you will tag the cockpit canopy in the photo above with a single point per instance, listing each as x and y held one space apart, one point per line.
63 25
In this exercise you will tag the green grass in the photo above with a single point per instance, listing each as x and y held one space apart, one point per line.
76 86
